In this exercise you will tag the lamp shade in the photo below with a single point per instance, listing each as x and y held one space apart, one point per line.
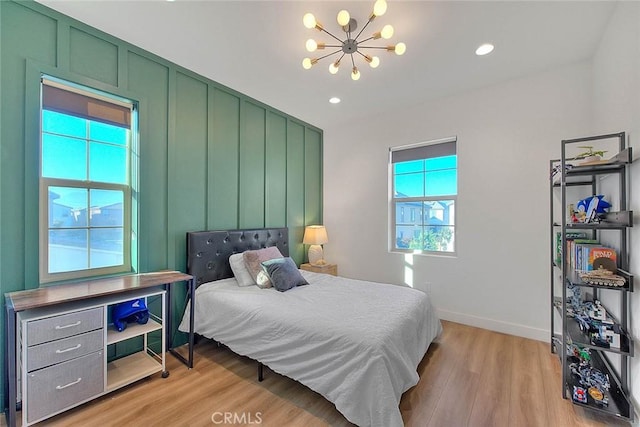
315 235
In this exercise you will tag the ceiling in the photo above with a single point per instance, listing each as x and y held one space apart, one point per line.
257 47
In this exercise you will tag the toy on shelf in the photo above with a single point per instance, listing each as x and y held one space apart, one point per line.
555 172
591 156
583 354
591 209
590 377
579 394
593 320
602 277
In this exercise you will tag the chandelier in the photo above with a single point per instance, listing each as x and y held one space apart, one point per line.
350 45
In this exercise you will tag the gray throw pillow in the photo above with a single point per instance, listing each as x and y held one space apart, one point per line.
284 273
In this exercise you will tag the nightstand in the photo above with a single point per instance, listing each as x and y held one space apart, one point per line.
325 269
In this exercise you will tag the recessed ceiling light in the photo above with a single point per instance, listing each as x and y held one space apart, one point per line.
334 100
484 49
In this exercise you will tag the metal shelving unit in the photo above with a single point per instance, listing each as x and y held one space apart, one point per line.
567 335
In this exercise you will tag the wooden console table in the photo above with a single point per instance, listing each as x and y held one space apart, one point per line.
86 291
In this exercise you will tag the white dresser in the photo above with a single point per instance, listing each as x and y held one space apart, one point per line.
63 336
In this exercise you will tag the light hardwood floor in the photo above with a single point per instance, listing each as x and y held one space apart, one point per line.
469 377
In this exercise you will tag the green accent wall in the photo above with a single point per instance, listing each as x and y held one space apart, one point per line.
209 156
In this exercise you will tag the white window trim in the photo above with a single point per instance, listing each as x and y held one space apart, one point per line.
391 203
45 183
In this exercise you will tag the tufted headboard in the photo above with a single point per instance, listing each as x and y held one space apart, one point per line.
208 251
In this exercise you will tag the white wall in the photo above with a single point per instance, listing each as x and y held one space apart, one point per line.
616 107
507 134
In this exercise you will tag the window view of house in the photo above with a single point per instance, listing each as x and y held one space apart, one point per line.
85 184
425 181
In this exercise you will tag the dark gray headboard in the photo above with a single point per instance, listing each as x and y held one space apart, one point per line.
208 251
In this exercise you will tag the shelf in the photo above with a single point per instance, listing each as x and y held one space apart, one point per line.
573 183
575 176
579 177
611 221
131 368
573 278
132 330
583 340
619 404
614 164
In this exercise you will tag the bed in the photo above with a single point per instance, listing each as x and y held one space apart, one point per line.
356 343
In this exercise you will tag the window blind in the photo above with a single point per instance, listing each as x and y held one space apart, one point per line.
425 151
87 107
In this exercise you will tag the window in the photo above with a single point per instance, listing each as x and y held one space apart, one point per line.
85 182
424 178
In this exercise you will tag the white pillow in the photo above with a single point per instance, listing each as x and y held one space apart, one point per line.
240 271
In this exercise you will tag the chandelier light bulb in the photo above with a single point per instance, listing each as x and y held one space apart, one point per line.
311 45
334 67
343 18
379 8
400 49
374 62
387 32
309 20
355 74
308 63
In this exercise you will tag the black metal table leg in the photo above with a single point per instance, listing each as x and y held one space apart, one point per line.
191 295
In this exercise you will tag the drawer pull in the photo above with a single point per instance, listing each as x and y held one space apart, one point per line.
71 325
60 387
75 347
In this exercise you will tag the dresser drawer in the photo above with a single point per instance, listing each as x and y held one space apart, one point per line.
62 386
63 326
50 353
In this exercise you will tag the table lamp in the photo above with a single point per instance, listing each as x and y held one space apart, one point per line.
315 235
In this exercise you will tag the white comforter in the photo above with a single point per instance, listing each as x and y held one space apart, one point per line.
357 343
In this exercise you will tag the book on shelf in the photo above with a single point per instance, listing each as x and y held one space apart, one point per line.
570 237
574 256
588 255
601 256
581 252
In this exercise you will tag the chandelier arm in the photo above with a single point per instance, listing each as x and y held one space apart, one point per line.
353 63
365 26
372 47
331 35
329 54
365 40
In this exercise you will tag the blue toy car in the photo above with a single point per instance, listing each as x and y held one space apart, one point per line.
129 311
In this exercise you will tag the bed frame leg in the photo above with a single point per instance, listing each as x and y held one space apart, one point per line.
260 372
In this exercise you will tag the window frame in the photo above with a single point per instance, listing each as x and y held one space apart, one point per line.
392 232
127 189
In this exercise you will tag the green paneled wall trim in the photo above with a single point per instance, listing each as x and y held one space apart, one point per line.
209 157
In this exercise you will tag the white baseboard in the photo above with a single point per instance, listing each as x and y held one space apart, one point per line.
495 325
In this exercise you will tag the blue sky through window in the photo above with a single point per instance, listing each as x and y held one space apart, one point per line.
436 176
79 149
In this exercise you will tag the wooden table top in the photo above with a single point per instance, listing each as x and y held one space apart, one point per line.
42 297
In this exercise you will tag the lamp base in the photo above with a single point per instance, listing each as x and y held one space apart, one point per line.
316 255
